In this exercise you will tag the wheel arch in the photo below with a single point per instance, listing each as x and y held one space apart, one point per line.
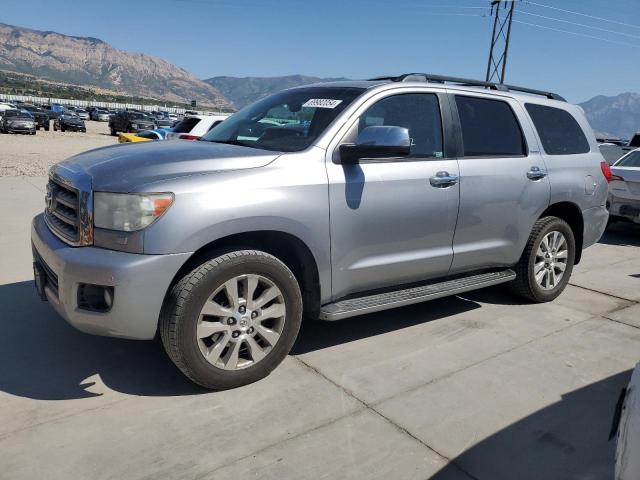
570 213
288 248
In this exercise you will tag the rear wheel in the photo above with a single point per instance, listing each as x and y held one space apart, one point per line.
232 320
113 132
547 261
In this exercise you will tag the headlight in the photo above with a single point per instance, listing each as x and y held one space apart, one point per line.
134 125
129 211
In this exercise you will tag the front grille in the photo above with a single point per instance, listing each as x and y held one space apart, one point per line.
62 212
52 278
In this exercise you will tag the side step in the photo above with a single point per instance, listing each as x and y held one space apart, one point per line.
409 296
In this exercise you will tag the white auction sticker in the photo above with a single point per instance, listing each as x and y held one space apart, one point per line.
322 103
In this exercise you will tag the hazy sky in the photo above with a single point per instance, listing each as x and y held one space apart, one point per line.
363 38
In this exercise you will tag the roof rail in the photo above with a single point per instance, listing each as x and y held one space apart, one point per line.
427 77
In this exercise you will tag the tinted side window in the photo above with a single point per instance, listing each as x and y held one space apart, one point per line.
559 132
186 125
489 128
418 112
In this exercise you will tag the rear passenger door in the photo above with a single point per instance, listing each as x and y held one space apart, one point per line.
503 182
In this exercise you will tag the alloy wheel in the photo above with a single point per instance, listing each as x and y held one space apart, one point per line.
241 322
551 260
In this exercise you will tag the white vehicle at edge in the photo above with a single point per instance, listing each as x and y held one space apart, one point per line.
624 188
193 127
6 106
628 432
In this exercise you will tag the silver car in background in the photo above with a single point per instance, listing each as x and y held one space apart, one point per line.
624 189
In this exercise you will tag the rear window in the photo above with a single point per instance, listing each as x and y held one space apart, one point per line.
186 125
559 131
489 128
630 160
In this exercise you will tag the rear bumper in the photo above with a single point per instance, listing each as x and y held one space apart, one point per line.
140 283
595 222
626 208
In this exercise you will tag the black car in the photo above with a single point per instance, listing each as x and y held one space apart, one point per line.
69 121
130 122
17 121
41 117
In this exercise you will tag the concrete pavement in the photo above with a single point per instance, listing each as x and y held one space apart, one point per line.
480 386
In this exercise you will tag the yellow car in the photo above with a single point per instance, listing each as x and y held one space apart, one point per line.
131 137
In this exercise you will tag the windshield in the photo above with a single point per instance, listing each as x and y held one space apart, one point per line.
288 121
631 160
13 113
137 116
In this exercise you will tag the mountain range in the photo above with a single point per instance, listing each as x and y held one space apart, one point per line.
91 62
241 91
81 63
617 116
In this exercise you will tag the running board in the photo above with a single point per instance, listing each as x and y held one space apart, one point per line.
409 296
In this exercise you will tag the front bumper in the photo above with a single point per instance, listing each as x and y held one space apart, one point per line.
20 129
140 283
74 128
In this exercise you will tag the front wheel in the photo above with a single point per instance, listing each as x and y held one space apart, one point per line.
547 261
232 320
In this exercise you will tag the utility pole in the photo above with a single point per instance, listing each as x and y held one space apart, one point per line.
502 11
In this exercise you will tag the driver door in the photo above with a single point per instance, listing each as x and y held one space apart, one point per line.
390 223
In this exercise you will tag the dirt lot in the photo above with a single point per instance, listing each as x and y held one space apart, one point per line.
33 155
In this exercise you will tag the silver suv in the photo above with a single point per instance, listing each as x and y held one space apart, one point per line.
324 201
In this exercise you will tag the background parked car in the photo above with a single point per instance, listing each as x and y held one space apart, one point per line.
6 106
144 136
69 121
17 121
130 122
54 110
99 115
194 126
40 116
163 120
82 113
624 188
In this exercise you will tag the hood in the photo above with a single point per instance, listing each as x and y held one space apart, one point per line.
127 167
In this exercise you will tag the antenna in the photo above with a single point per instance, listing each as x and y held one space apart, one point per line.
502 11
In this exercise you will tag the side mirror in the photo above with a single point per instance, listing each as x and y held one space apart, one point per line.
377 142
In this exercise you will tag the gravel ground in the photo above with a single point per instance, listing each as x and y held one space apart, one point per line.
32 155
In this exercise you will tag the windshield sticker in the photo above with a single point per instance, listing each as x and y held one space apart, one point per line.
322 103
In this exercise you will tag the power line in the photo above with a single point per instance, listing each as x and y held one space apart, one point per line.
581 14
577 34
580 24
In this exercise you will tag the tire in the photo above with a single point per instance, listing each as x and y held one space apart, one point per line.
525 285
62 129
46 128
114 133
181 319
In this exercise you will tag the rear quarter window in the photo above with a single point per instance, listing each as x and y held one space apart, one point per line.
559 132
489 128
186 125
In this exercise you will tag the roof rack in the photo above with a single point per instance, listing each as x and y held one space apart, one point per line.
426 77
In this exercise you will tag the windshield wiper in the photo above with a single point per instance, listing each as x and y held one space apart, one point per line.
230 142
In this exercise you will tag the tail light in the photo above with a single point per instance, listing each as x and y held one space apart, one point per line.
189 137
606 171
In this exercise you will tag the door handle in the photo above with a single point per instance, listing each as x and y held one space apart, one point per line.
443 180
536 173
